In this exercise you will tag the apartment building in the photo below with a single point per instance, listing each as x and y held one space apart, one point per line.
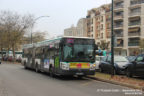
128 26
70 31
99 24
79 30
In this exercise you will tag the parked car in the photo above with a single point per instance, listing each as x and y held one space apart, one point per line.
5 58
131 58
10 58
18 58
97 61
120 63
136 67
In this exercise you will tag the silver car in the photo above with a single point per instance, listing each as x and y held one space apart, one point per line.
97 61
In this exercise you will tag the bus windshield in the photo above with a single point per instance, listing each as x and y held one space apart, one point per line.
78 53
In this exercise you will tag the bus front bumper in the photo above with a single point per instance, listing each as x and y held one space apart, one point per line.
77 72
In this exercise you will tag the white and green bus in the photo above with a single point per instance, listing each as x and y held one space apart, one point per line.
61 56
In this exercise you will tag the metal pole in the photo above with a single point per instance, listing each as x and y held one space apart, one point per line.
112 40
33 25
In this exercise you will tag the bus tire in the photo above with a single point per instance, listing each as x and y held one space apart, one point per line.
25 65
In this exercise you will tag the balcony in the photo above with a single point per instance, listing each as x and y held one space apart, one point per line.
136 2
118 26
135 24
133 44
118 9
118 6
119 35
115 1
133 34
118 17
134 14
119 45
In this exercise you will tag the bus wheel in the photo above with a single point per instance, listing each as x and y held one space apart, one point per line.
25 65
51 72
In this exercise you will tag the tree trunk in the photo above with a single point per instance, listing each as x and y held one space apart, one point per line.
2 52
13 49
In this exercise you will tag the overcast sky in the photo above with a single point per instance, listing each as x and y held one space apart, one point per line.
63 13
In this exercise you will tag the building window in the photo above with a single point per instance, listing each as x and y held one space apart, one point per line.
101 18
91 21
101 35
92 29
101 26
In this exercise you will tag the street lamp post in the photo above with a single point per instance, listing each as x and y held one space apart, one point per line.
112 40
33 25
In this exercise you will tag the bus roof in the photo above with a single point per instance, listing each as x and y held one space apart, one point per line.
46 42
77 37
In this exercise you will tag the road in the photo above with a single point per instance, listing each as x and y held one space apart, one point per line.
16 81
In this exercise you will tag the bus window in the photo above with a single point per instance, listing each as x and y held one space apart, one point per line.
47 53
67 51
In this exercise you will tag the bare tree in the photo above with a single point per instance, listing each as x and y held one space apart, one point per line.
37 37
13 27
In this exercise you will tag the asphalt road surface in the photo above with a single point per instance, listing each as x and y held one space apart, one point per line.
16 81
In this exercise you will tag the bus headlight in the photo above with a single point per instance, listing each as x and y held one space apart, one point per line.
92 66
65 66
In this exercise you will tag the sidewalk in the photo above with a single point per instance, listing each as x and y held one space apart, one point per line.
120 80
8 62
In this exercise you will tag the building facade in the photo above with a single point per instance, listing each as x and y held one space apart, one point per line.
79 30
70 31
99 24
128 26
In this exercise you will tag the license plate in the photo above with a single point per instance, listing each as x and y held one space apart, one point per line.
79 74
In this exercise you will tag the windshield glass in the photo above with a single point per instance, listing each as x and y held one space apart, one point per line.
78 52
120 59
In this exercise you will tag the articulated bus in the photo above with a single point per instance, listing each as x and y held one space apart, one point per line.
61 56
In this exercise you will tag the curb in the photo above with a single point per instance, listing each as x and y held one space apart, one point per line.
117 83
10 62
